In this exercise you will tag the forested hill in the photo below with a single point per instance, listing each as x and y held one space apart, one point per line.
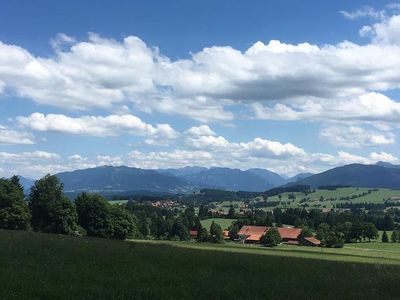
121 179
358 175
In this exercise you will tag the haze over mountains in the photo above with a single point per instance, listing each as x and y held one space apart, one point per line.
124 179
181 180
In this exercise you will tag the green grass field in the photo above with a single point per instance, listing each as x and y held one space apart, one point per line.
331 197
42 266
224 223
118 202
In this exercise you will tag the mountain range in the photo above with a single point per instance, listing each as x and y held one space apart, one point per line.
122 179
380 175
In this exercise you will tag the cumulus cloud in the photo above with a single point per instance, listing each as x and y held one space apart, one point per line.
116 75
111 125
203 138
371 107
386 32
13 137
356 137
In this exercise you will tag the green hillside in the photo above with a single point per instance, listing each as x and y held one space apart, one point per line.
224 223
42 266
327 198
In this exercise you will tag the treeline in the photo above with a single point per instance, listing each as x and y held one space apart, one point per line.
206 196
333 187
289 189
368 205
333 228
47 209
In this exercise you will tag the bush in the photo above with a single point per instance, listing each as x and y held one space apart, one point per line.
272 238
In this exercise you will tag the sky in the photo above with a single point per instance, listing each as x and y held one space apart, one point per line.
289 86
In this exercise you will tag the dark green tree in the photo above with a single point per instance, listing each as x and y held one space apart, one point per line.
385 238
179 230
345 228
231 212
395 236
14 211
123 223
357 231
323 232
202 235
370 231
51 210
334 239
216 233
305 232
272 238
203 212
388 223
233 231
197 224
94 214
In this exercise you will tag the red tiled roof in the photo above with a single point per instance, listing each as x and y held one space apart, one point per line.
254 233
193 232
313 240
289 233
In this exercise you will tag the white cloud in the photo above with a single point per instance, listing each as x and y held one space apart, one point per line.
383 156
371 107
12 137
111 125
38 163
200 131
365 11
386 32
117 75
356 137
265 148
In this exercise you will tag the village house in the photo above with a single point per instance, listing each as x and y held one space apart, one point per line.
289 235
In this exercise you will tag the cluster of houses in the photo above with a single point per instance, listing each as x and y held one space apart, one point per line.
220 211
166 204
289 235
253 234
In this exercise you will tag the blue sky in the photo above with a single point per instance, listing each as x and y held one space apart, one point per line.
286 85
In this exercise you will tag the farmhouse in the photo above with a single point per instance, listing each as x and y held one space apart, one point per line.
289 235
311 241
252 234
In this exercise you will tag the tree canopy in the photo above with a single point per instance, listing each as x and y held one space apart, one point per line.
14 211
51 210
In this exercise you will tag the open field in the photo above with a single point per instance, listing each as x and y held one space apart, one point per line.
366 252
118 202
224 223
42 266
327 198
321 198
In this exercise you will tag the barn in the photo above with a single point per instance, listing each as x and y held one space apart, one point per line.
289 235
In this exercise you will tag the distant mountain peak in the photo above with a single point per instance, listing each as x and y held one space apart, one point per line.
387 164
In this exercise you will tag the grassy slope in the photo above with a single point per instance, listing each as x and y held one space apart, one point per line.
40 266
374 197
224 223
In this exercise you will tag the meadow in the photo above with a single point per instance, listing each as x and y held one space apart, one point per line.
224 223
44 266
320 198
